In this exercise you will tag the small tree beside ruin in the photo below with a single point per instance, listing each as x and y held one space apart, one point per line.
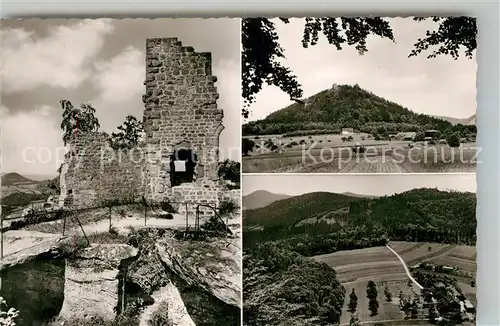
77 120
229 171
128 135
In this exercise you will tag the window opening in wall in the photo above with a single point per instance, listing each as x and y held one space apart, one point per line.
182 165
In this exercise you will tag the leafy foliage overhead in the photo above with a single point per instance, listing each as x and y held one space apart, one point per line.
262 53
452 34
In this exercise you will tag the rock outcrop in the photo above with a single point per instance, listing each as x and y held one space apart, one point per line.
21 246
91 285
213 266
148 271
177 312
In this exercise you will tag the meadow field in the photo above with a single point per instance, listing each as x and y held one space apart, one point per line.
378 264
330 154
458 256
356 267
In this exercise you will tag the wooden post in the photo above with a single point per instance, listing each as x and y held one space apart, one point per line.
1 236
145 212
110 218
123 289
64 221
187 217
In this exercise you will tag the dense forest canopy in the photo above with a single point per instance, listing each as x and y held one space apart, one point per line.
417 215
283 288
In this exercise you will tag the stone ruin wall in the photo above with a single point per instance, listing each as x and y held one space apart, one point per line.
95 172
180 108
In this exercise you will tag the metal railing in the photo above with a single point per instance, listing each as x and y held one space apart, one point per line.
148 207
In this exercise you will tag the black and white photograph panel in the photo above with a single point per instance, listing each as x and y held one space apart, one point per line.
120 184
359 249
359 95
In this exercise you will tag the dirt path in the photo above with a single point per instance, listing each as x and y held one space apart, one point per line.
405 267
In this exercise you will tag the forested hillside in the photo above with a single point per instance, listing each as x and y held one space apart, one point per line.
346 106
284 287
420 214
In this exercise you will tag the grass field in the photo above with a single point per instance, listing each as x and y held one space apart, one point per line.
463 257
329 154
356 267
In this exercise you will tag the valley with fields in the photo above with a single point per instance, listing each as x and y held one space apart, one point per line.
347 129
336 258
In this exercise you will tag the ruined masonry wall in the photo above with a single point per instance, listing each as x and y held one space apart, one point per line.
96 172
180 106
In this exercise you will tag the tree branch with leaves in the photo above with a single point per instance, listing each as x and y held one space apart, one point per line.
77 120
129 133
262 52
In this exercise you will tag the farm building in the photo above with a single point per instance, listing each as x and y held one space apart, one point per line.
347 131
448 269
415 266
440 285
431 134
468 306
406 135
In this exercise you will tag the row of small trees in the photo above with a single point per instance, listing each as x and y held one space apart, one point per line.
371 294
407 305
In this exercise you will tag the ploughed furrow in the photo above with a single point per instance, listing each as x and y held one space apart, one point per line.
412 248
430 255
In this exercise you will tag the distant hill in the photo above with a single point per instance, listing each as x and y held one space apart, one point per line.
18 190
350 194
429 209
290 211
346 106
261 198
454 121
11 179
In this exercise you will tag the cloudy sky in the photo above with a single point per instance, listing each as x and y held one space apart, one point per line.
358 184
440 86
99 62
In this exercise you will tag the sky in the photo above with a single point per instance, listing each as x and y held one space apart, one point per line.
375 185
101 62
440 86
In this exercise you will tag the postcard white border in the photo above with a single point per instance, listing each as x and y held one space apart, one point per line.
488 86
